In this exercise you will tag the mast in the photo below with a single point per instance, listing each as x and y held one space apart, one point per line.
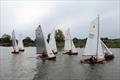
97 39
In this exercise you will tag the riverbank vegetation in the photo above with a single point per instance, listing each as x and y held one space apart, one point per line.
5 40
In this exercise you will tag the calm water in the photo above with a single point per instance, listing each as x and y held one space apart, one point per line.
25 66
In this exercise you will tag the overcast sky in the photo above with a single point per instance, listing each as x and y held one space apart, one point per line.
24 16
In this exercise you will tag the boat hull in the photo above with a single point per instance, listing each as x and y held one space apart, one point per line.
109 57
51 58
21 50
45 57
71 53
55 52
87 61
14 52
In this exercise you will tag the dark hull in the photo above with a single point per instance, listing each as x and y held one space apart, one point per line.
51 58
109 57
55 52
15 52
70 53
21 50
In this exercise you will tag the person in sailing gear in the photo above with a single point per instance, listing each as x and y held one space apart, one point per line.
70 51
43 55
92 59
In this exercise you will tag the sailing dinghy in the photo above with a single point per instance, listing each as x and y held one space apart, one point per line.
14 44
93 52
43 49
20 45
69 47
52 42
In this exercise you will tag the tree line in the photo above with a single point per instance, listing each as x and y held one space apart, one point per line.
5 40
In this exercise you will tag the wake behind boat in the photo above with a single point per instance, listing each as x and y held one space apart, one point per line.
69 45
43 49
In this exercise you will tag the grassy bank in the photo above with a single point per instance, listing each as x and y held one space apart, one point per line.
80 43
61 45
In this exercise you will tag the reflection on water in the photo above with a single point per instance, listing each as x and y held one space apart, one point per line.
25 66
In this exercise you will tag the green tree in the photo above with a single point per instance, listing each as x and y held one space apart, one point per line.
28 42
75 40
59 37
5 40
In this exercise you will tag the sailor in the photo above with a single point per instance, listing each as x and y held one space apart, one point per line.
70 52
93 59
43 55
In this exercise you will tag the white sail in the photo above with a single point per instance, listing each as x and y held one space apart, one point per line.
14 42
20 44
69 45
73 48
40 42
93 45
52 42
105 49
100 53
49 50
68 42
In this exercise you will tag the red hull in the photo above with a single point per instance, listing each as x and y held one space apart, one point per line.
45 57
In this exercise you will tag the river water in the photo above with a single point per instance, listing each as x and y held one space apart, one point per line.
25 66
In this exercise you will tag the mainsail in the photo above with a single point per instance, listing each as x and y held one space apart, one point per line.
14 42
69 45
52 42
67 41
93 45
40 42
